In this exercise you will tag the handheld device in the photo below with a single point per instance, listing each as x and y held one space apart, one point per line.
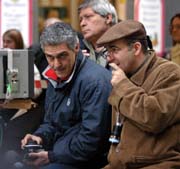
31 147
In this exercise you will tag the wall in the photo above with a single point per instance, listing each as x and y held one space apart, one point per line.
171 7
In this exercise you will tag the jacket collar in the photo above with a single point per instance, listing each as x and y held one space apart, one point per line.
141 74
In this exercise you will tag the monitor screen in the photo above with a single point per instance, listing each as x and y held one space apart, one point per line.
16 74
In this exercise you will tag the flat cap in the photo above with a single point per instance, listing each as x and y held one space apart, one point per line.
121 30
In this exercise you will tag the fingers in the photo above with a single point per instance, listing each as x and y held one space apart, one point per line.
114 66
117 74
28 137
37 139
25 140
40 158
86 53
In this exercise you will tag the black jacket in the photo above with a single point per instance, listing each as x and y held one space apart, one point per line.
78 116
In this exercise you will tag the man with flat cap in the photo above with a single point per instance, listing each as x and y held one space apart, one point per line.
145 100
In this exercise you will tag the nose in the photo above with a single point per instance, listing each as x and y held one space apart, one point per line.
175 28
82 22
56 63
110 57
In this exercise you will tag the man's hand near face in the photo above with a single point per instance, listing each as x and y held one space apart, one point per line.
117 74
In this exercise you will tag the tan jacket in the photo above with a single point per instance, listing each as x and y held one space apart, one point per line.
149 102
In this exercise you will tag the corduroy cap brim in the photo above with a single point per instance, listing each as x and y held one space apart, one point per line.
121 30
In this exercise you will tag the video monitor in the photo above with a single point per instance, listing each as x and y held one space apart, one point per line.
16 74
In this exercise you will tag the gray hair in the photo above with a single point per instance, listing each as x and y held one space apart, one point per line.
59 33
101 7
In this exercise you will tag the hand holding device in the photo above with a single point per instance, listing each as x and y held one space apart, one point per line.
31 147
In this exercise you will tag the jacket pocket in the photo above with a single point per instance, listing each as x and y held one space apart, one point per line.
142 161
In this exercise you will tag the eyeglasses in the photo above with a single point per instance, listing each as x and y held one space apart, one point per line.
113 50
108 51
103 53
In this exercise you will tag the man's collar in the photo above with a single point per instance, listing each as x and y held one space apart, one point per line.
53 77
141 74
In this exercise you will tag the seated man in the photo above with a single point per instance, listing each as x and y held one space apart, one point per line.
146 97
76 126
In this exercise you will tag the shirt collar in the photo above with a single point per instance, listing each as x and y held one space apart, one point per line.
50 75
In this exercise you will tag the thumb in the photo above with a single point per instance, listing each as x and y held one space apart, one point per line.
113 66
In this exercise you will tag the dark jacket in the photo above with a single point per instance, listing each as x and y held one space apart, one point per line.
37 53
78 116
149 103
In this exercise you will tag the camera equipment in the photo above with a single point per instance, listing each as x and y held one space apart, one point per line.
31 147
115 136
16 74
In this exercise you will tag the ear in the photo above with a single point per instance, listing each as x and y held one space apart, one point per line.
76 49
109 19
137 48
